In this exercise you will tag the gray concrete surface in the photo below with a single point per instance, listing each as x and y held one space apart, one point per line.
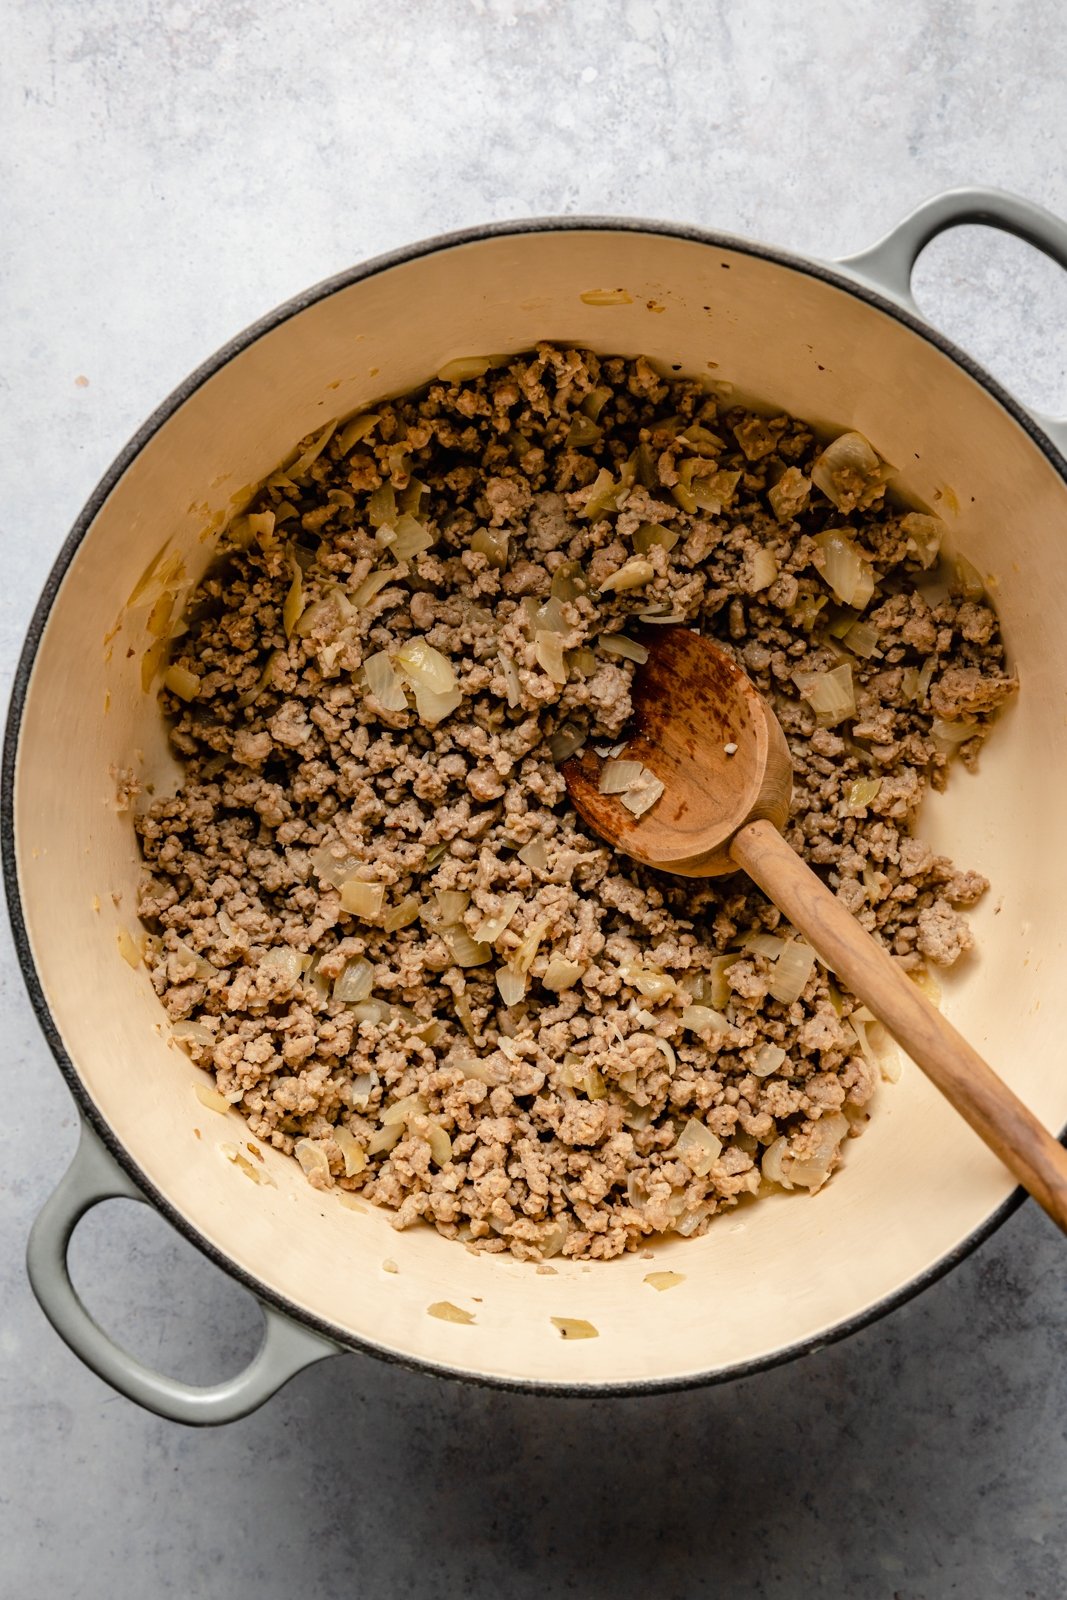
172 169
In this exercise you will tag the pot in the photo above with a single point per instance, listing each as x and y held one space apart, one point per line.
843 346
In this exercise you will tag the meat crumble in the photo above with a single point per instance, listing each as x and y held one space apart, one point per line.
372 914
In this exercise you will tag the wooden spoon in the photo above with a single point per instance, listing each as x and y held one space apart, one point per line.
706 732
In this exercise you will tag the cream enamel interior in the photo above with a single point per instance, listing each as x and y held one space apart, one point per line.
769 1275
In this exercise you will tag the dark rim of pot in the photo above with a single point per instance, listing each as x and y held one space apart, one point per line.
836 277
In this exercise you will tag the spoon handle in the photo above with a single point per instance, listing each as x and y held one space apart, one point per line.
996 1114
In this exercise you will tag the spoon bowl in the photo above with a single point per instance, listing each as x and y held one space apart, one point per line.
703 729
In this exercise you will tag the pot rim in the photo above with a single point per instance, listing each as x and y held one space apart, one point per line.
836 276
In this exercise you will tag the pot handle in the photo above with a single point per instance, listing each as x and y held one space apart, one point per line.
888 265
93 1176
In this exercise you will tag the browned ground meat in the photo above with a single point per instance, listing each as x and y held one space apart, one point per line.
585 1115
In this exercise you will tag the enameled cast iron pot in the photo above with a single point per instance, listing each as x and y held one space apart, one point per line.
842 346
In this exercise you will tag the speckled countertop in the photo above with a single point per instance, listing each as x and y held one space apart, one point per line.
171 170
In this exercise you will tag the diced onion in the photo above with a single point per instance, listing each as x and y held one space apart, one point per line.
764 944
792 971
210 1097
764 570
953 732
862 793
252 695
548 649
444 1310
463 1011
772 1165
968 580
523 956
553 1241
768 1059
642 796
583 431
312 453
464 369
294 600
182 682
284 961
633 574
357 429
566 741
582 661
314 980
545 616
510 674
704 1019
313 1159
535 855
909 683
373 1011
841 620
650 535
424 667
363 899
409 1105
862 639
472 1068
466 952
592 1084
384 1138
577 1327
412 538
383 682
813 1171
492 543
689 1221
635 1116
440 1144
375 581
719 990
830 694
331 868
617 644
602 496
699 1146
663 1280
649 981
353 1152
452 903
789 495
594 402
666 1049
848 572
884 1056
618 776
490 928
381 507
433 708
363 1086
355 982
568 583
511 985
925 534
192 1033
850 473
561 974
